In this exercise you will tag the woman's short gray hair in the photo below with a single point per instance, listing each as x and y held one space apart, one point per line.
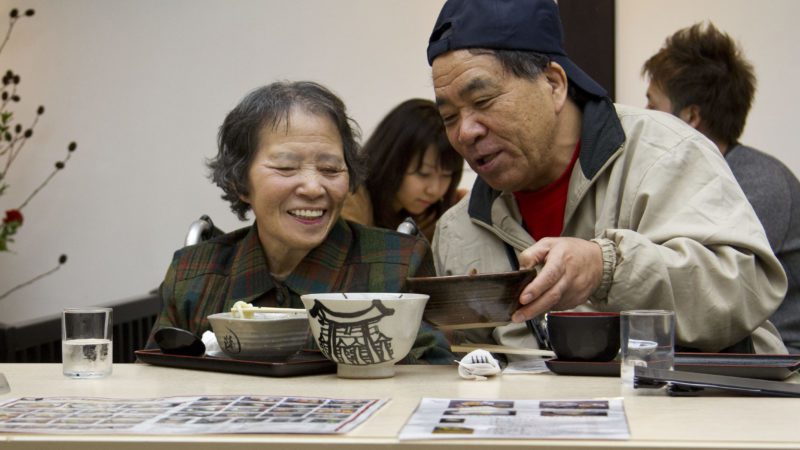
270 106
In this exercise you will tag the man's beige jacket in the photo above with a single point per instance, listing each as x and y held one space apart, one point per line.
676 231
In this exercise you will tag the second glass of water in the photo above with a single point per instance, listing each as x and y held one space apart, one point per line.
646 339
86 348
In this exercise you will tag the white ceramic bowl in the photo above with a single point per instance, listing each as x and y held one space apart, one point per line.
365 334
266 337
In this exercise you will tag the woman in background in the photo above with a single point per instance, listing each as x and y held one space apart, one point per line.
412 170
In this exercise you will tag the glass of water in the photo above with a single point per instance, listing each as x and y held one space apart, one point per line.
86 349
647 338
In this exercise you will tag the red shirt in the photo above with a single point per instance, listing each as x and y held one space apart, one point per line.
543 210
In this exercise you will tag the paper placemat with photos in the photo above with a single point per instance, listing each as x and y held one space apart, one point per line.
440 418
185 415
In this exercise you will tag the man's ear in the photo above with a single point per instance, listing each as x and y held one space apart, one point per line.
557 79
691 115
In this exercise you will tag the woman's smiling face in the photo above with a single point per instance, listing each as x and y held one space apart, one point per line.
298 183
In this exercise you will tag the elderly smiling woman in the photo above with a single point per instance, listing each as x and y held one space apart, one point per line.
288 152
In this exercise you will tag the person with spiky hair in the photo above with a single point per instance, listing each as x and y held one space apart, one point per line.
701 76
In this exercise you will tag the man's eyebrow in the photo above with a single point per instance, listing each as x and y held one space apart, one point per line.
475 84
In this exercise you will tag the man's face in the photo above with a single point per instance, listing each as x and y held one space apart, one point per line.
657 99
503 125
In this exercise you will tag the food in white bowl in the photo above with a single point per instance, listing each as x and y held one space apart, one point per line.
365 333
264 336
244 310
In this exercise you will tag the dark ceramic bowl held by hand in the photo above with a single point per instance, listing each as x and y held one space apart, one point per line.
584 336
471 301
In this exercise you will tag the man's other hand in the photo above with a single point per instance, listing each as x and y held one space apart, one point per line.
571 270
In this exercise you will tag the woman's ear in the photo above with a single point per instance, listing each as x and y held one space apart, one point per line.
556 77
243 197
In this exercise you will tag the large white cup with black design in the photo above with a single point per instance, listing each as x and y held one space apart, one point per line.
365 334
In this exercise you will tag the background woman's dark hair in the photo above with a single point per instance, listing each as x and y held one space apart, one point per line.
407 131
271 105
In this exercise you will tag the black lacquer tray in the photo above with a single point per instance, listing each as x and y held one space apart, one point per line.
301 363
765 367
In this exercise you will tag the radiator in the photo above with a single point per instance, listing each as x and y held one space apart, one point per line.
39 341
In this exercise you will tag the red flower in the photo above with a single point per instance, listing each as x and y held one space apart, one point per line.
13 215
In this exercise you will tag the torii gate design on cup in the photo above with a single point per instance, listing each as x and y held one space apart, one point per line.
354 337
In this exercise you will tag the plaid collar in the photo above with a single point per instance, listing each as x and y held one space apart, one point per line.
320 271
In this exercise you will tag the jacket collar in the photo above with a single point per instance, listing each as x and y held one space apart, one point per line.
601 137
249 276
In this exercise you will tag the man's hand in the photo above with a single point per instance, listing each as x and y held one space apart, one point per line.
572 270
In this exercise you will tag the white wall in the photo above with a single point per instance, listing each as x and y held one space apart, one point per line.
143 85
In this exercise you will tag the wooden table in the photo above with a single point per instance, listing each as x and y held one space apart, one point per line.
655 422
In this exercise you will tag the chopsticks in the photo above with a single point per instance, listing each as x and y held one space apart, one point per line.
250 310
469 326
503 349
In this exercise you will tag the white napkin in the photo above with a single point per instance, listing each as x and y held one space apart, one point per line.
212 346
477 365
4 386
